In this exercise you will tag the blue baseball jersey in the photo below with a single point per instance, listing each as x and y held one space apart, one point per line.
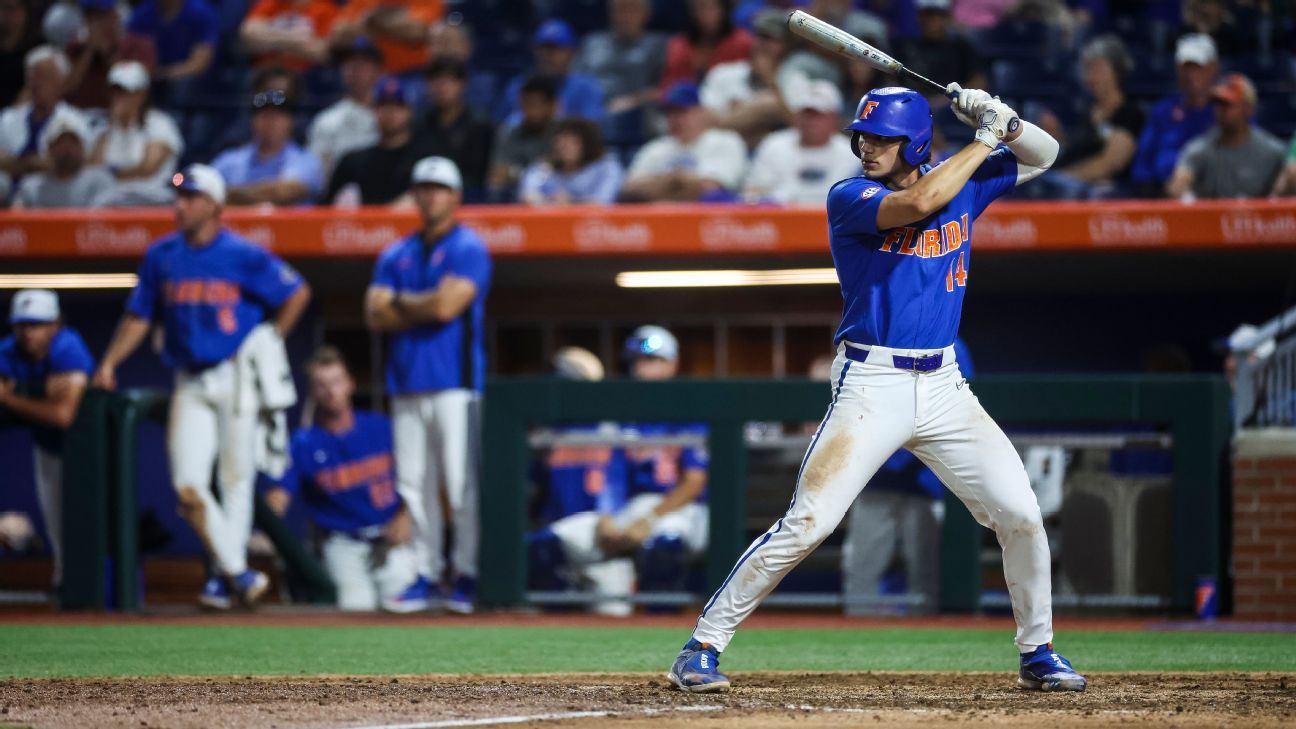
67 353
347 481
208 298
578 479
657 469
437 356
903 288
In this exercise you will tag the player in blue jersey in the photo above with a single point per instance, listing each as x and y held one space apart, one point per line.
901 237
211 291
344 473
582 487
665 523
44 369
429 292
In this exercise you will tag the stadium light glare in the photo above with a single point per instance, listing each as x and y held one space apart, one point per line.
67 280
723 277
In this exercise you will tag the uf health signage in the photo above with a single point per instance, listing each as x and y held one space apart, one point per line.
675 230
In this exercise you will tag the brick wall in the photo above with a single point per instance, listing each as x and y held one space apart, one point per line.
1264 525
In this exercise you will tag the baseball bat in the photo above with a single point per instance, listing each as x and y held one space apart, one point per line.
826 35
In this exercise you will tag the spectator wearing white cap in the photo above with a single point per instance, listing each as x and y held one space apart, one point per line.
67 182
21 125
1177 119
429 294
140 146
44 368
105 44
797 166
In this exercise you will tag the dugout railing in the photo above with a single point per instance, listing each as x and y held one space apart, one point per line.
101 475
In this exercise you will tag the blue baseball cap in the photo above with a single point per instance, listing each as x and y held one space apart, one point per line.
555 33
681 95
390 90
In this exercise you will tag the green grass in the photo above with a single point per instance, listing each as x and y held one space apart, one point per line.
125 650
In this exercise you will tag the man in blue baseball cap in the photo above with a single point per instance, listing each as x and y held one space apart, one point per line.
380 174
579 94
693 162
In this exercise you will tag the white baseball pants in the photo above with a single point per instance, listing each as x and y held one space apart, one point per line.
363 573
49 494
436 444
206 428
689 523
875 410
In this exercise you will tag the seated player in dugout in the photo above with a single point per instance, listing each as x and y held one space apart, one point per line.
343 472
580 487
665 522
44 369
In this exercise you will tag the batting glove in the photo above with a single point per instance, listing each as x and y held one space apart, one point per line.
993 123
967 104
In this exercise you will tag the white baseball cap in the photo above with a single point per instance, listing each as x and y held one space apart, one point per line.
203 179
65 122
1196 48
34 305
437 171
820 95
652 341
130 75
933 4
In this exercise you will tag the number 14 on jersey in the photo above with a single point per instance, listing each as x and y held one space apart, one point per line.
957 275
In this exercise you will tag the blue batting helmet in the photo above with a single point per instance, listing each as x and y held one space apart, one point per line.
895 112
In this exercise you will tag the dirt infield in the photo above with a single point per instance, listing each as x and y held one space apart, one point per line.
642 700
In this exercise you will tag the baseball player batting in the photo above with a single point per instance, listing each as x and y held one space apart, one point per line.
901 241
209 289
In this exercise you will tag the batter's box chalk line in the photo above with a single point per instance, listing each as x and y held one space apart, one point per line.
518 719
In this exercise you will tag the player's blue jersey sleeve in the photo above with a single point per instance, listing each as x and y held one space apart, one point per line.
853 206
143 301
7 355
471 261
268 278
69 353
994 178
385 271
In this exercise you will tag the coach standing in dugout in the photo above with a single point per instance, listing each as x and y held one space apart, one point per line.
428 292
211 290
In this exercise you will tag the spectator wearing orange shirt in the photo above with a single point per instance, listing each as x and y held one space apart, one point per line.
710 38
400 28
289 33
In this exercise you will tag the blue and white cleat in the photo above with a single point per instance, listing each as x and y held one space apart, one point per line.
697 669
1044 669
215 595
415 598
463 598
251 585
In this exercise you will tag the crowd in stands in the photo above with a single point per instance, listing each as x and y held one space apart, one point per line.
544 102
